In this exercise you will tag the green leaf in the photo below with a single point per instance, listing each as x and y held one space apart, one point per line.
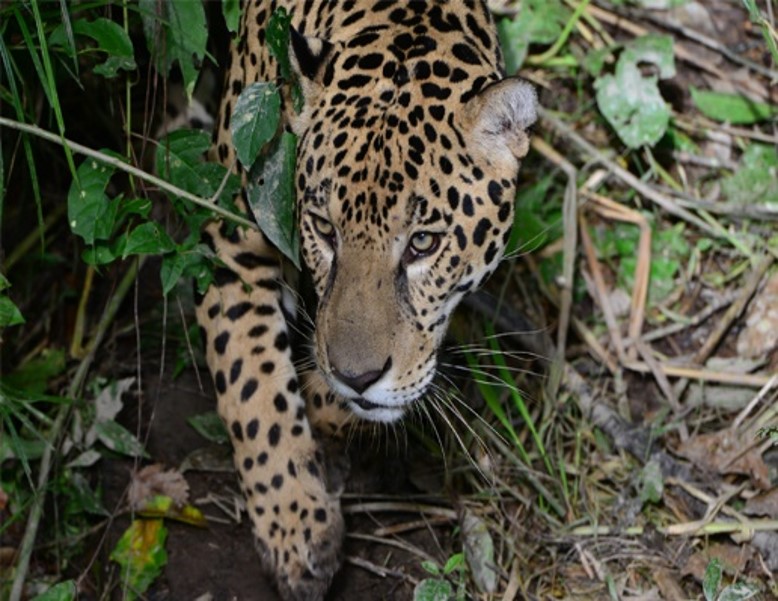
756 181
651 482
630 101
147 239
538 22
433 589
179 159
732 108
270 191
176 32
454 562
141 554
91 214
430 567
9 313
255 120
110 38
711 580
194 263
479 552
740 591
210 426
117 438
64 591
34 375
231 12
278 42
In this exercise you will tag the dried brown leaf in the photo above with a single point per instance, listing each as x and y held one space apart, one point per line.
668 585
727 452
765 504
152 480
733 559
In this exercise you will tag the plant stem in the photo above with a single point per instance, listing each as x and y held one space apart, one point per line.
139 173
76 384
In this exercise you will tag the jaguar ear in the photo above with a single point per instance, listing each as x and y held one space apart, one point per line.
308 56
500 115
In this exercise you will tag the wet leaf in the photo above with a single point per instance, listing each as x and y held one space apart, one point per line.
117 438
210 426
141 554
731 108
91 214
176 32
270 191
254 120
711 580
433 589
110 38
651 482
479 552
9 313
64 591
630 101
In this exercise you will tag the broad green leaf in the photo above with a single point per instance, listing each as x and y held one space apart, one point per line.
732 108
454 562
110 38
176 32
117 438
9 313
82 497
651 482
231 12
141 554
91 214
278 42
270 192
179 159
538 22
193 263
756 181
633 106
4 283
479 552
431 567
711 580
147 239
433 589
630 101
210 426
64 591
34 375
255 120
740 591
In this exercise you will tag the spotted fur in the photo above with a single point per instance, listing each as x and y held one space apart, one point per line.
409 146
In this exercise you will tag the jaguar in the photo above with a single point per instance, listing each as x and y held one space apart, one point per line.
410 140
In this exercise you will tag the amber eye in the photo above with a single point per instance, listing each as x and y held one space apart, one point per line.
422 244
324 228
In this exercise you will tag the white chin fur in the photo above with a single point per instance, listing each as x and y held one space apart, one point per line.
385 415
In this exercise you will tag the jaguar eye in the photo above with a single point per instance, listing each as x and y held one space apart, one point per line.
324 228
422 244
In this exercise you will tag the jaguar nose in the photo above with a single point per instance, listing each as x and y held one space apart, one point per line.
359 382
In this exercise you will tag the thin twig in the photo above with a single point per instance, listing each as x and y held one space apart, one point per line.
122 166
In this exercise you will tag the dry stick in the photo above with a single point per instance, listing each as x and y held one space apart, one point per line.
33 521
140 174
638 185
734 311
570 242
380 571
705 375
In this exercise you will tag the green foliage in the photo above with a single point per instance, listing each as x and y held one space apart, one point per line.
176 32
731 108
111 39
141 554
756 181
270 191
64 591
9 312
210 426
439 588
538 22
255 120
631 101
